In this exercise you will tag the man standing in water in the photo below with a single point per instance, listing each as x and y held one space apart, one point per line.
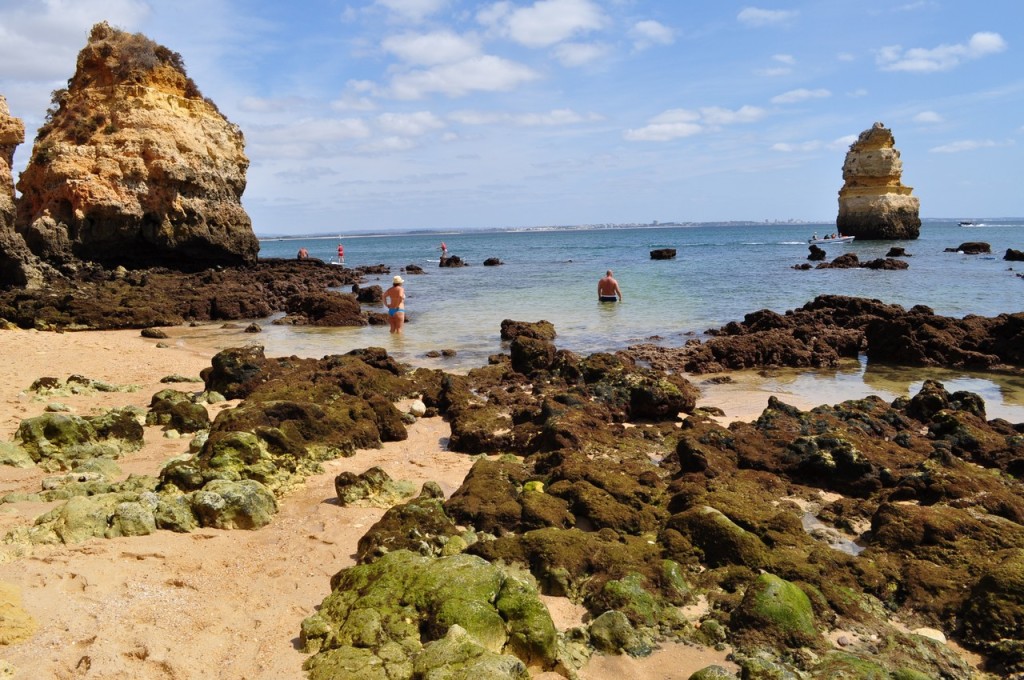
394 298
608 289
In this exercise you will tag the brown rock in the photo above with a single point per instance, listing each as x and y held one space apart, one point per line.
134 167
874 203
1014 255
663 254
17 264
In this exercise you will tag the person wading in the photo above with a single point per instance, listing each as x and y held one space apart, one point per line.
394 298
608 289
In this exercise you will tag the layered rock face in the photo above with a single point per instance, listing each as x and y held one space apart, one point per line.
18 267
134 167
874 203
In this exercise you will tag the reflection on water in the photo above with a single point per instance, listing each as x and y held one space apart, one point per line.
749 390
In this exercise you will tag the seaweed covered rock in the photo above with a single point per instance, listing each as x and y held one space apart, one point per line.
62 441
777 610
406 613
540 330
176 410
419 525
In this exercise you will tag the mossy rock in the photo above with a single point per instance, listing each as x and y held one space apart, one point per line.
459 656
173 409
844 666
612 633
15 456
995 608
419 525
222 504
721 541
777 611
402 604
713 673
51 435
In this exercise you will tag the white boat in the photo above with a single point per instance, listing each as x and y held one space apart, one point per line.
969 223
837 239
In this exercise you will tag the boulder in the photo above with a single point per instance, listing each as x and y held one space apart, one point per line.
325 308
817 254
897 251
369 295
134 167
971 248
451 261
873 202
492 262
541 330
663 254
223 504
1014 255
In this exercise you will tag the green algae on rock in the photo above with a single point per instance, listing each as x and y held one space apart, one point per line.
459 613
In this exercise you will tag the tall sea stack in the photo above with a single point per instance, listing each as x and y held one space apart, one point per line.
134 167
874 203
15 258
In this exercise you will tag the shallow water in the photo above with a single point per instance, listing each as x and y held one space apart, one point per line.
720 274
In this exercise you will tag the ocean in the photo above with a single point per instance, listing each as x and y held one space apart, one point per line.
720 273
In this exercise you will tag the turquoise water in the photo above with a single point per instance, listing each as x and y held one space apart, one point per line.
720 274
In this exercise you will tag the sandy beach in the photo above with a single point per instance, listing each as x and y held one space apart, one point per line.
215 604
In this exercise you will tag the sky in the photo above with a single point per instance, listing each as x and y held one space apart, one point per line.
381 115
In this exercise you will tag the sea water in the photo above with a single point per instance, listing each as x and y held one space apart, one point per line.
720 274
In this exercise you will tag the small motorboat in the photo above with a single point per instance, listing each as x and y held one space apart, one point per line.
838 239
968 223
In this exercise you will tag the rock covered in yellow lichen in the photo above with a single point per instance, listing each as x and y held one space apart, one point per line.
134 167
874 203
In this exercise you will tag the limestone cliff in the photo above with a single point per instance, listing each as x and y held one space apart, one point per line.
134 167
15 258
874 203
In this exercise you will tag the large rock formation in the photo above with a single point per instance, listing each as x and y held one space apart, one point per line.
874 203
134 167
14 254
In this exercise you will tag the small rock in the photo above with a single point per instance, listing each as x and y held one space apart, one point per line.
253 328
930 633
418 408
155 333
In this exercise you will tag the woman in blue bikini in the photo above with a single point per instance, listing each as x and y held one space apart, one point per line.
394 298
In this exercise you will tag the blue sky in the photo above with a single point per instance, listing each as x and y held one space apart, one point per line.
406 114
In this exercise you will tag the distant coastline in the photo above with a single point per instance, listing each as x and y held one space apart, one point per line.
577 227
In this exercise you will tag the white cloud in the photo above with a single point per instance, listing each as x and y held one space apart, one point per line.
303 138
413 9
800 95
650 33
787 147
814 145
843 142
579 54
716 115
409 124
928 118
483 73
544 23
41 40
754 16
788 59
551 118
846 56
774 72
941 58
676 123
968 145
430 49
859 92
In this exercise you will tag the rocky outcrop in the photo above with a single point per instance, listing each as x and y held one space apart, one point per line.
15 257
874 203
134 167
1014 255
663 254
971 248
